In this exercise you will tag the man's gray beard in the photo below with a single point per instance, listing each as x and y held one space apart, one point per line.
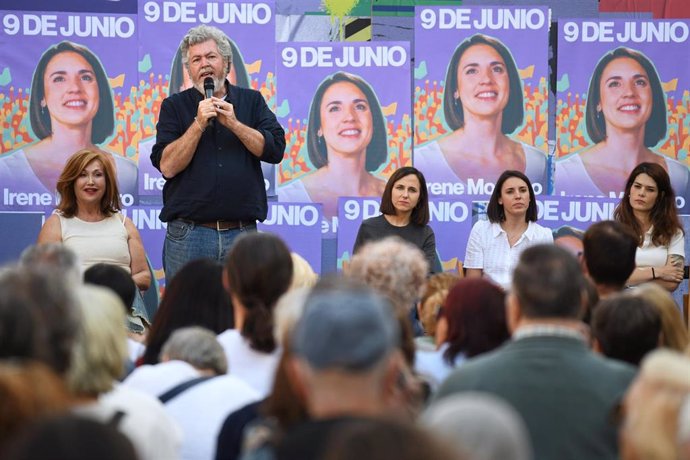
217 83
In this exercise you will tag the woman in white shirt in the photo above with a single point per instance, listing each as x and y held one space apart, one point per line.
495 244
648 207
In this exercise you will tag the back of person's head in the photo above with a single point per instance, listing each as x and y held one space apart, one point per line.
72 437
348 330
380 439
548 283
100 351
197 346
475 313
38 317
55 257
654 427
114 278
393 267
590 300
480 425
674 334
28 390
302 273
258 270
609 253
195 296
626 327
288 311
432 299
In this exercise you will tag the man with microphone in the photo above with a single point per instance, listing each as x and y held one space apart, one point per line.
210 140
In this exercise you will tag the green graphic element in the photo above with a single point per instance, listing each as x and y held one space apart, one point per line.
145 64
5 77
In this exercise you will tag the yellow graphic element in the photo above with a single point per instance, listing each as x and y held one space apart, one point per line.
452 265
670 85
254 67
338 9
526 72
389 110
117 82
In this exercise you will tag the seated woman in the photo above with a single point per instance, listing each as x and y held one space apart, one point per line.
404 213
648 208
495 245
258 271
471 322
88 221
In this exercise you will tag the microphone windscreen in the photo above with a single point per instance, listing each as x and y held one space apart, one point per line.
209 87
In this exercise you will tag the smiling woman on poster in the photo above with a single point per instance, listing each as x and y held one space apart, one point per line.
625 117
482 104
346 141
71 108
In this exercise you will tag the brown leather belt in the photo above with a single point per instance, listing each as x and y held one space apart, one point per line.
222 224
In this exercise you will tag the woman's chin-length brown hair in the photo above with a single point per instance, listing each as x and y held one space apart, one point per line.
103 122
664 215
513 112
377 150
494 210
110 203
655 129
420 213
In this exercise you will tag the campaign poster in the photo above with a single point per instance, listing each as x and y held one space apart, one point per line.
65 85
152 231
250 26
299 225
480 96
346 111
622 100
449 216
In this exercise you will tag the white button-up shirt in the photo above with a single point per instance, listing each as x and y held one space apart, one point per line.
488 249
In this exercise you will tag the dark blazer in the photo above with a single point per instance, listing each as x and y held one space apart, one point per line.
565 393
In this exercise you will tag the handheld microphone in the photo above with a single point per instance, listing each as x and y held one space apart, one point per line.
209 87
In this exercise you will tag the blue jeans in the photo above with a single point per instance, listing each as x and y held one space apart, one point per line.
185 241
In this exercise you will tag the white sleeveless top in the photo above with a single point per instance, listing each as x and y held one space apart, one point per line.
97 242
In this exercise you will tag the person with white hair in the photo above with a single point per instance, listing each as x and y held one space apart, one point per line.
98 359
479 425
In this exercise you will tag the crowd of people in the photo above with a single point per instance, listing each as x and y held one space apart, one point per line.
552 355
532 351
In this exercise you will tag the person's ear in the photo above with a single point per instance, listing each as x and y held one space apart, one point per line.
513 312
596 346
441 331
297 374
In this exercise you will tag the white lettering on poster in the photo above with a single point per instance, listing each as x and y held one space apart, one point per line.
629 31
49 25
293 215
350 56
360 210
485 18
448 211
214 12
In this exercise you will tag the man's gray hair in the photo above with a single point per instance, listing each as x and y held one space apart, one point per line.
197 346
204 33
55 257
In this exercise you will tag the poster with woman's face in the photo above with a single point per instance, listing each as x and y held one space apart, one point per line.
621 100
65 85
480 96
162 25
346 111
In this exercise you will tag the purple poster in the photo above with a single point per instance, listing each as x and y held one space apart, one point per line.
622 100
450 218
152 231
299 225
162 24
480 96
346 111
65 85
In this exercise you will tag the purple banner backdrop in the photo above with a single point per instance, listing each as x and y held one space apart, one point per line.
363 147
72 100
450 217
592 163
299 225
440 153
162 24
152 230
